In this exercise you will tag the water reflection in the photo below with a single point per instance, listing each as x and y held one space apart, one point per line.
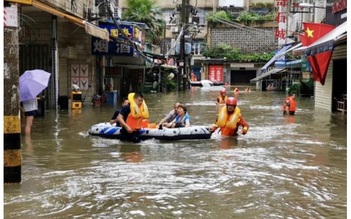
28 144
284 167
131 153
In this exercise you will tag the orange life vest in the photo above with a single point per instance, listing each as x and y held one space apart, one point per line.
222 99
292 104
138 116
228 123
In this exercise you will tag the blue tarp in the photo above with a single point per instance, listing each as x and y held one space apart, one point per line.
294 63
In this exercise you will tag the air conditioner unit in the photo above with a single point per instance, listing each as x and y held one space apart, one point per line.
113 8
102 9
174 29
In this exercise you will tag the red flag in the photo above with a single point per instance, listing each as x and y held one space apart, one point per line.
314 31
319 62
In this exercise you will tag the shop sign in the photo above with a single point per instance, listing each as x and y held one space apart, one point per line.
242 65
10 16
118 47
281 18
215 73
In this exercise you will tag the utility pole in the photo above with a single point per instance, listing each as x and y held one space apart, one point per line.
183 57
12 122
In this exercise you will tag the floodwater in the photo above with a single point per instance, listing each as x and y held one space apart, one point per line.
285 167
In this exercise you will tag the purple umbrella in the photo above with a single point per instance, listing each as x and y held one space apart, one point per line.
31 83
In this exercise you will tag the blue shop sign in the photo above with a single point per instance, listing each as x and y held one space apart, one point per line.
113 48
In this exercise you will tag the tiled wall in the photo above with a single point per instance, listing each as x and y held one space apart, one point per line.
248 40
74 47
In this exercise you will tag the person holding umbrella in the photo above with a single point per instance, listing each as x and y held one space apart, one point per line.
31 83
30 108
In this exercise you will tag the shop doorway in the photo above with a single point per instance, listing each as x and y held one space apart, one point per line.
241 76
339 89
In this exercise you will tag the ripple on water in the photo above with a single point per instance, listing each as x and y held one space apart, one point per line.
280 169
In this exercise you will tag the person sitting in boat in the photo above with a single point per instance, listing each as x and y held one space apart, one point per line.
113 120
181 120
222 98
289 105
229 119
132 117
170 116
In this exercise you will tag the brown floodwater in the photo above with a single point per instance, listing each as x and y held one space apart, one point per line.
285 167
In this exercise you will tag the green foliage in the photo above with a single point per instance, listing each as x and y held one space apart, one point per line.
170 84
248 17
245 17
235 54
214 16
307 88
145 11
295 88
262 5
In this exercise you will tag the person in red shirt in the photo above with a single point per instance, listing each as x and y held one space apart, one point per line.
289 105
229 119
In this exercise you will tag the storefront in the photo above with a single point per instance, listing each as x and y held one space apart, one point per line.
333 87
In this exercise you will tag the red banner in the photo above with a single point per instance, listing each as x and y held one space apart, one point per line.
319 62
215 73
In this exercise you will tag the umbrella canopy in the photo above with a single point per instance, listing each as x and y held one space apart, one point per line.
32 82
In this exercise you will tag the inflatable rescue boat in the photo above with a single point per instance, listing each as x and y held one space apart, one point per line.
107 130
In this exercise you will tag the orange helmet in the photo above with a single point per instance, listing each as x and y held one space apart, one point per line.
223 91
231 101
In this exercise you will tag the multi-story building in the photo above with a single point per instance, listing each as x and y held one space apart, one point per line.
200 35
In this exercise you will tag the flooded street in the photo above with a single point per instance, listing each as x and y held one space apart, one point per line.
285 167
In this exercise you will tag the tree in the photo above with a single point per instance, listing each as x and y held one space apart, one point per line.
145 11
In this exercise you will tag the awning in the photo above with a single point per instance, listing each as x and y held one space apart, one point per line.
276 57
96 31
154 56
295 63
89 27
290 64
325 43
292 48
268 73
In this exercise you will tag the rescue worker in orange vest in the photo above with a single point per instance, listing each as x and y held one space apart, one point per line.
133 117
229 119
222 98
289 105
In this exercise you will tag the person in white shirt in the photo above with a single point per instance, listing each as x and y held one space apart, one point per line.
170 116
30 108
